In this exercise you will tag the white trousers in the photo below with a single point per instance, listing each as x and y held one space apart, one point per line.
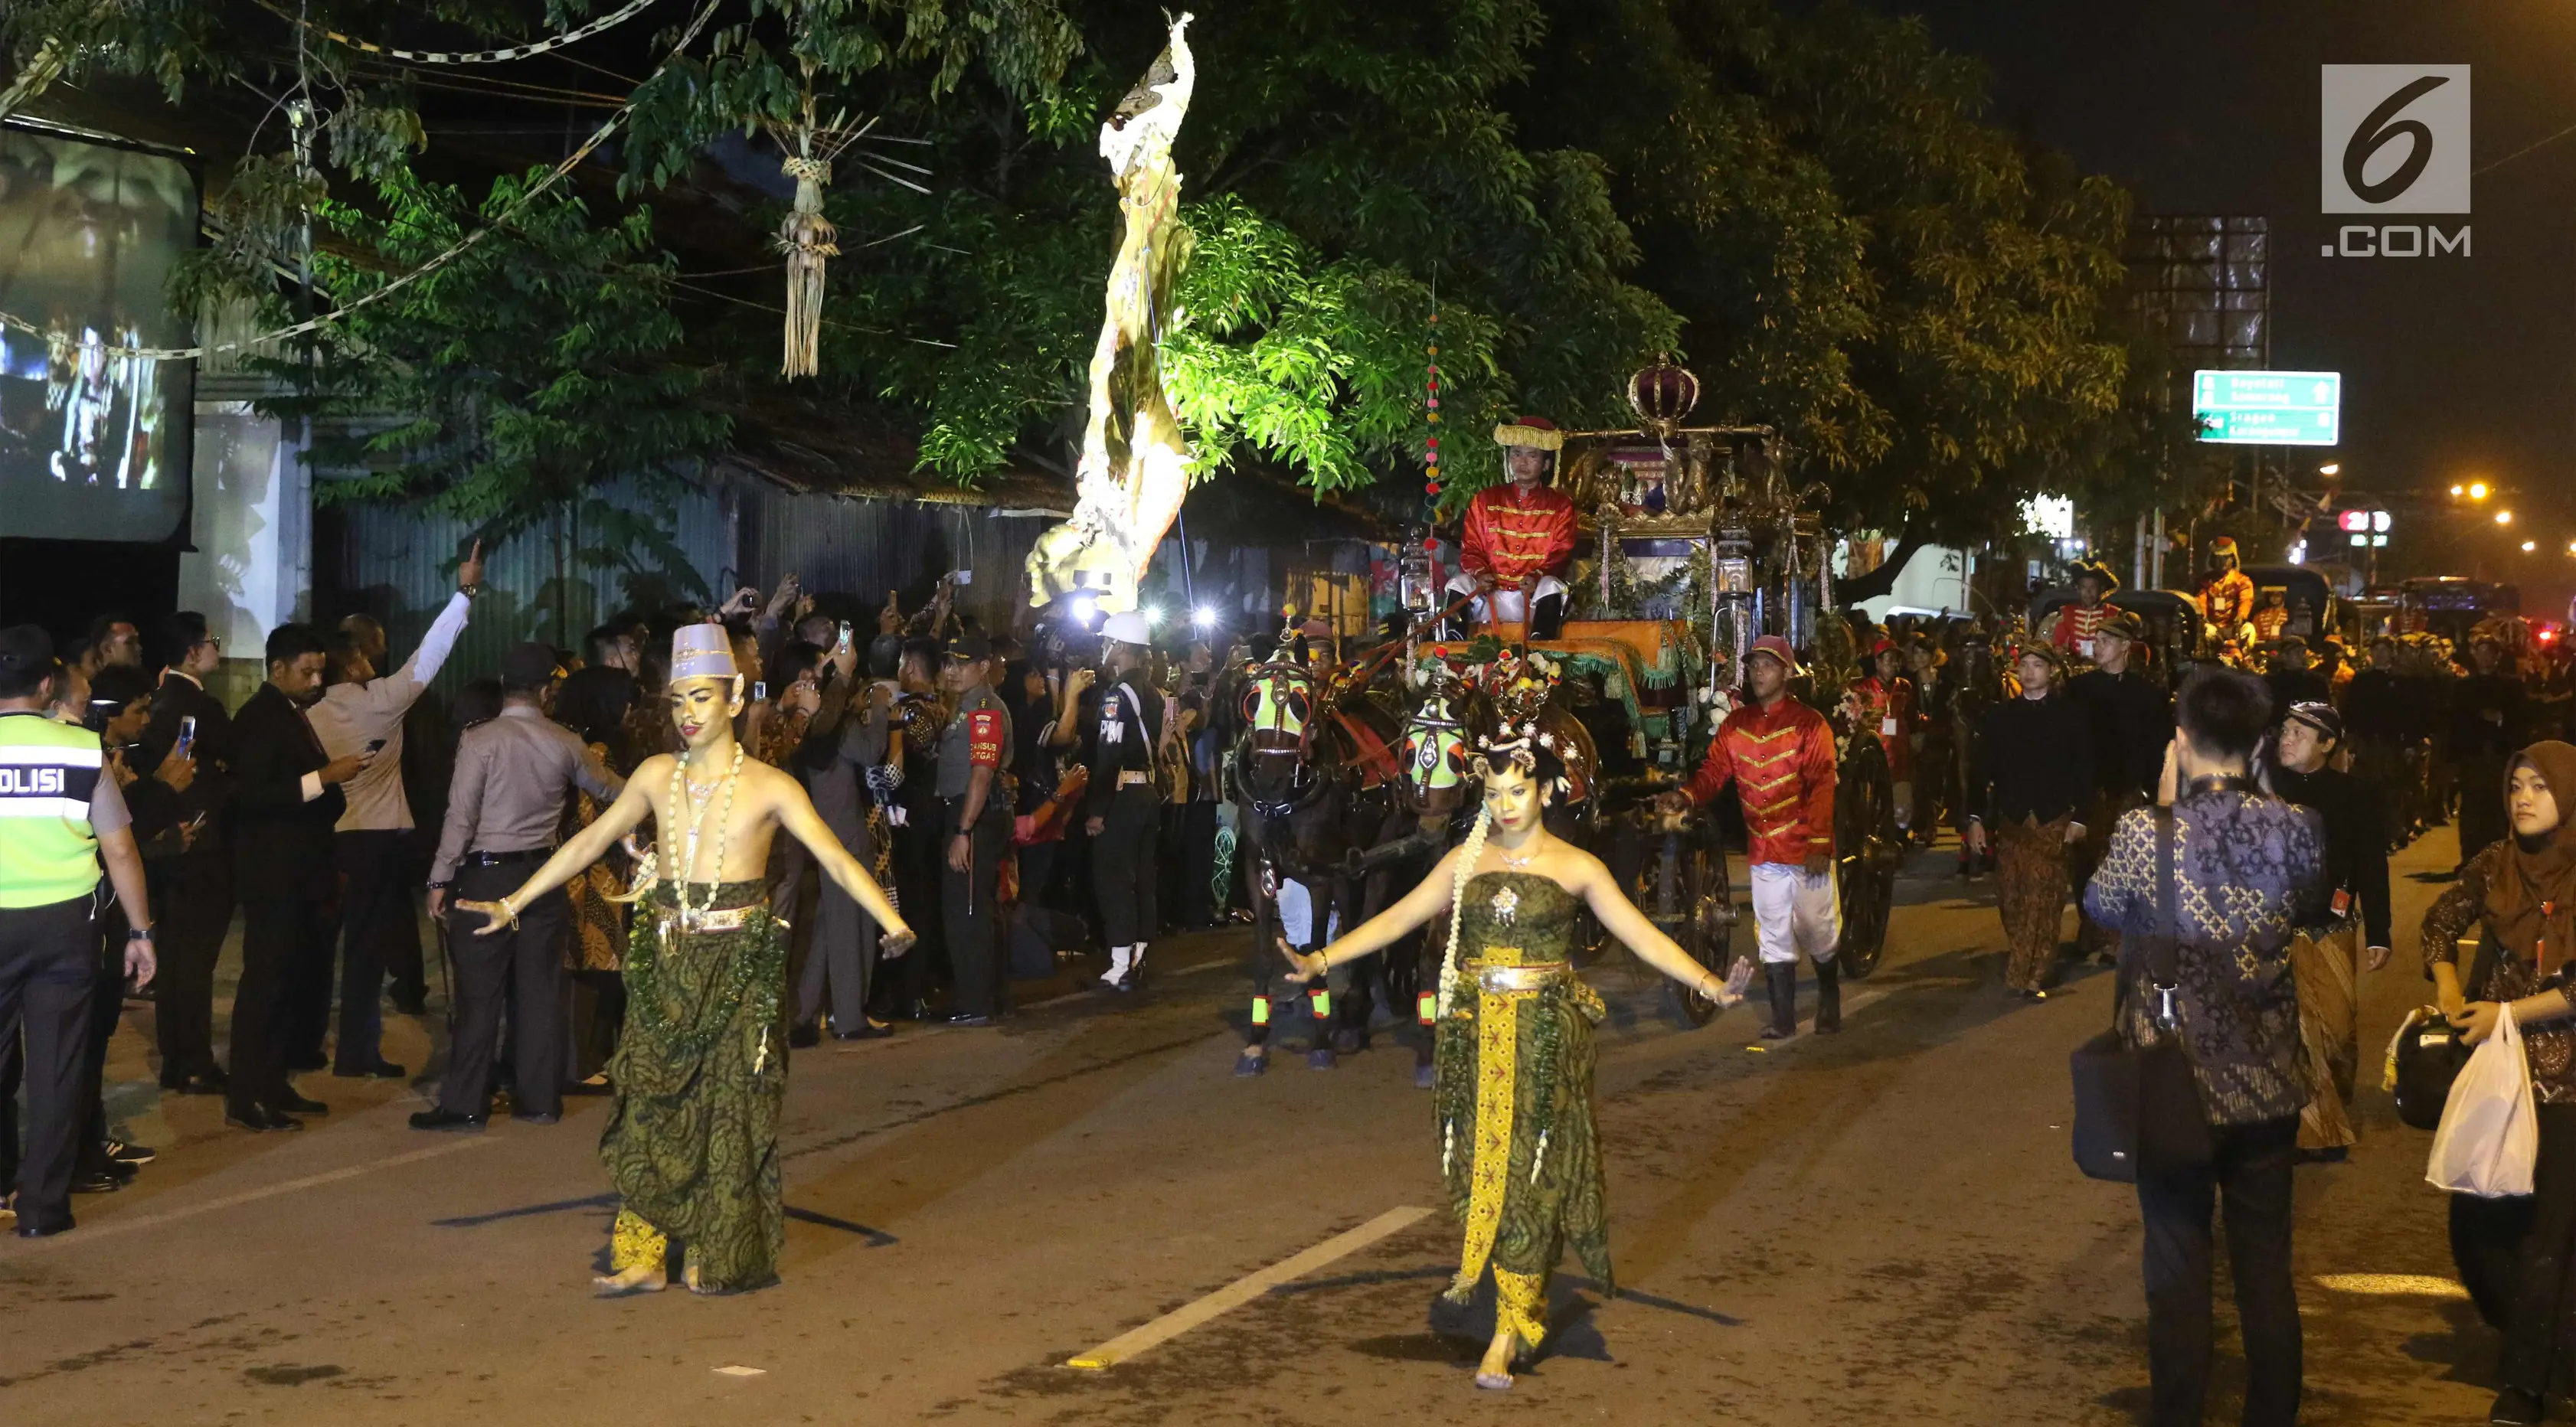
1505 603
1795 911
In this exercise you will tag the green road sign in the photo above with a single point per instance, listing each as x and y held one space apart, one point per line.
2268 408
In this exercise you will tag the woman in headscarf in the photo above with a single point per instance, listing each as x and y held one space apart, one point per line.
2514 1254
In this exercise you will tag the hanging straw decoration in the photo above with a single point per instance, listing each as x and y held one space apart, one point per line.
808 239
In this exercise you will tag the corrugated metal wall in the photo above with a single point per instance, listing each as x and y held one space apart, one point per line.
865 547
396 563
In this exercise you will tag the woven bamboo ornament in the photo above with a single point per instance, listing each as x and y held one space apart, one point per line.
809 240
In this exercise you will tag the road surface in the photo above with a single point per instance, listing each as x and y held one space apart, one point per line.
1881 1226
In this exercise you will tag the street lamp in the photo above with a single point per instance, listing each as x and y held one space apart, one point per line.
2459 490
2530 545
2504 517
2478 490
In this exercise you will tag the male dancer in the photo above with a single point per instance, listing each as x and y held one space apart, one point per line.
1779 753
700 1073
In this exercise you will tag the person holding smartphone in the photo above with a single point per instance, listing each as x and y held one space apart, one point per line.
361 713
192 880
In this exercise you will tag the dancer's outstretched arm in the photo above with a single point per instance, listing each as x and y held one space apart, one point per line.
1620 917
796 814
1428 899
586 847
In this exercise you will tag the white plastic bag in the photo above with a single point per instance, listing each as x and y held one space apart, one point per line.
2489 1135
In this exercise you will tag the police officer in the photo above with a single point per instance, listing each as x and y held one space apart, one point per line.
974 828
1125 809
65 815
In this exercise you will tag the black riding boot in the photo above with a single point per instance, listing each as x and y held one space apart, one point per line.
1782 979
1547 617
1829 996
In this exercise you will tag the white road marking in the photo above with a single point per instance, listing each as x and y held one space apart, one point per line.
1243 1290
249 1196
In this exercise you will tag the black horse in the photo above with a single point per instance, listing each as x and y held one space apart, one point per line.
1315 775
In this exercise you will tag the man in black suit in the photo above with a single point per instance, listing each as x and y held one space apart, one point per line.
192 890
286 804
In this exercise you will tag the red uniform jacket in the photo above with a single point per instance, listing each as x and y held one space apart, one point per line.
1893 717
2227 602
2075 627
1781 760
1513 538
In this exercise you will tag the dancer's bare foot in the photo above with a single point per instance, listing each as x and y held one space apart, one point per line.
1495 1372
642 1278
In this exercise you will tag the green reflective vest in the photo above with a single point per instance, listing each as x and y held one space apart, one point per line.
48 853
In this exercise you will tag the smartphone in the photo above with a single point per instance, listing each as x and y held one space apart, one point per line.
188 736
845 634
963 577
760 691
375 746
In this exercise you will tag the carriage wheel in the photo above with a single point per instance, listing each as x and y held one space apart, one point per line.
1705 907
1867 853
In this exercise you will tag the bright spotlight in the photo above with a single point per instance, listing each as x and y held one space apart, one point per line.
2331 468
2530 545
1084 608
2459 490
2504 517
1153 616
1203 617
2478 490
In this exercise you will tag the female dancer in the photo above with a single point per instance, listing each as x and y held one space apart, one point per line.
1514 1054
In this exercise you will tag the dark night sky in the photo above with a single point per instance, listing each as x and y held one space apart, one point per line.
2454 368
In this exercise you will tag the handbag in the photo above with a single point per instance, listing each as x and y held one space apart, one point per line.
2424 1058
2425 1055
2137 1108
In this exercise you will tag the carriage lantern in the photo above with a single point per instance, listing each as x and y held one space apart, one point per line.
1662 396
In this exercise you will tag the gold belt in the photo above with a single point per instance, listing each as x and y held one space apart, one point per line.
1133 777
1533 976
730 919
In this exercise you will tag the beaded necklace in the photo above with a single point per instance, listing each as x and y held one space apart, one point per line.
682 797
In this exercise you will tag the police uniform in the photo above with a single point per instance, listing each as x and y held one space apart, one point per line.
1124 798
55 800
978 736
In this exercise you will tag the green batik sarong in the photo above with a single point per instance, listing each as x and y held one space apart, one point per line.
700 1072
1513 1087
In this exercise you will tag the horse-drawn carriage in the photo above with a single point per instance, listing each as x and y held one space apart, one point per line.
1692 544
2174 628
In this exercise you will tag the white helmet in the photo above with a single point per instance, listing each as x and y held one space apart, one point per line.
1128 628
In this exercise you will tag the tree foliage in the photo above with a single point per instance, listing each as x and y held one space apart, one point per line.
1352 172
1807 203
518 380
1927 309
